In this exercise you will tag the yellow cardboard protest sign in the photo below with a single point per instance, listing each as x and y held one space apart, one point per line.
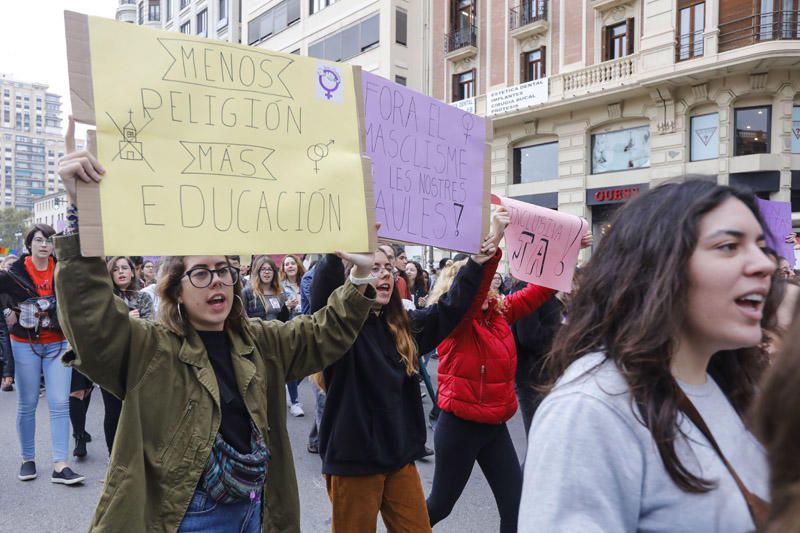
216 148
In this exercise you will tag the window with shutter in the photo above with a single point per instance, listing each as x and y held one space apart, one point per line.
532 65
618 40
630 36
543 52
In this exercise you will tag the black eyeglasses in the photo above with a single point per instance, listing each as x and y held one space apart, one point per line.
202 277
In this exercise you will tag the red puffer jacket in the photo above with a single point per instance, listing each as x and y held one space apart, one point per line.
478 360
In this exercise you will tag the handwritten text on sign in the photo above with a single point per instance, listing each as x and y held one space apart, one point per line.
543 244
427 166
218 148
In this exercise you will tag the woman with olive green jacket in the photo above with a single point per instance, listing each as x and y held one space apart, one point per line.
171 412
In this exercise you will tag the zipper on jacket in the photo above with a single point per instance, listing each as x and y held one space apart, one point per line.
184 418
480 390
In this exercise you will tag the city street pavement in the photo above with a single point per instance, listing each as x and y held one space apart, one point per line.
39 506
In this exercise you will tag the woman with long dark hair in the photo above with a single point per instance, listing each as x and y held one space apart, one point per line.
291 274
416 284
37 343
657 362
373 427
202 443
126 288
122 272
263 297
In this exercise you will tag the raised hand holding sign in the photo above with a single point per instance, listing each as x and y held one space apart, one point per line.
216 148
543 244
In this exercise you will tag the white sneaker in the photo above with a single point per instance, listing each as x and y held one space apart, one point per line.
296 410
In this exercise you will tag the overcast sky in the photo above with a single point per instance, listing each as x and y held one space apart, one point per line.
32 46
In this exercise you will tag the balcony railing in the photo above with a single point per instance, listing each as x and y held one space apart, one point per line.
608 72
461 38
769 26
526 13
689 46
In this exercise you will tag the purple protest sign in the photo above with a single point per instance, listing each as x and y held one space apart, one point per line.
429 167
777 218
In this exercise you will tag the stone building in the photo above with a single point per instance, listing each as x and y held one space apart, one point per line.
593 101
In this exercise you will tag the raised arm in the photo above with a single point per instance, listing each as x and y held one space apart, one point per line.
432 324
108 346
309 343
328 276
522 303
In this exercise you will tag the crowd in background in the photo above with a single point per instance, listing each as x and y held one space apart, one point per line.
709 294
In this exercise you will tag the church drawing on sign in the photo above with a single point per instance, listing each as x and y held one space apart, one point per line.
130 148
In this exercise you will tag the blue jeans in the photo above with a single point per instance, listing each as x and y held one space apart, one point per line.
31 360
207 516
319 396
291 386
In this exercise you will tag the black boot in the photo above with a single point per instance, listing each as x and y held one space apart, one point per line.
80 447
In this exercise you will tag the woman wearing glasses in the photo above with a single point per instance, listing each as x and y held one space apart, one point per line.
263 298
203 423
37 343
373 427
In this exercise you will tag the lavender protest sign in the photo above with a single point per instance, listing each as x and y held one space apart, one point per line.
777 218
429 167
542 244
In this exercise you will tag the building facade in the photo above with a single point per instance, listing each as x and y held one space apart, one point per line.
51 209
384 37
214 19
30 142
593 101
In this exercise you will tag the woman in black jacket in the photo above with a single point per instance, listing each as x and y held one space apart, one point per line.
373 427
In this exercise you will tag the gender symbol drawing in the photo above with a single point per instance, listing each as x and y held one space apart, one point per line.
130 148
467 122
329 80
318 152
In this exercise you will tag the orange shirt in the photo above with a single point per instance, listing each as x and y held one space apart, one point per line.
43 281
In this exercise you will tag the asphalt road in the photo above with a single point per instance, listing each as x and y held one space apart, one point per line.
39 506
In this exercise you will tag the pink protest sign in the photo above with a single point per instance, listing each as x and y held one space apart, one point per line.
777 218
429 167
542 244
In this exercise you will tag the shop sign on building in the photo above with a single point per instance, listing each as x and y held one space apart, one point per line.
467 104
511 99
613 195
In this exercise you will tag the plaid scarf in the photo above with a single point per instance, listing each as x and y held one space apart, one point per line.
231 476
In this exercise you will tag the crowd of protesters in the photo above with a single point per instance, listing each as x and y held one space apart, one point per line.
656 397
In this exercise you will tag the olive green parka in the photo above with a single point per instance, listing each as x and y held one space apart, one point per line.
171 406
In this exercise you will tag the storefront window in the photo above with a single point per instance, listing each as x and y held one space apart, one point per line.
621 150
796 130
705 137
752 125
536 163
601 222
